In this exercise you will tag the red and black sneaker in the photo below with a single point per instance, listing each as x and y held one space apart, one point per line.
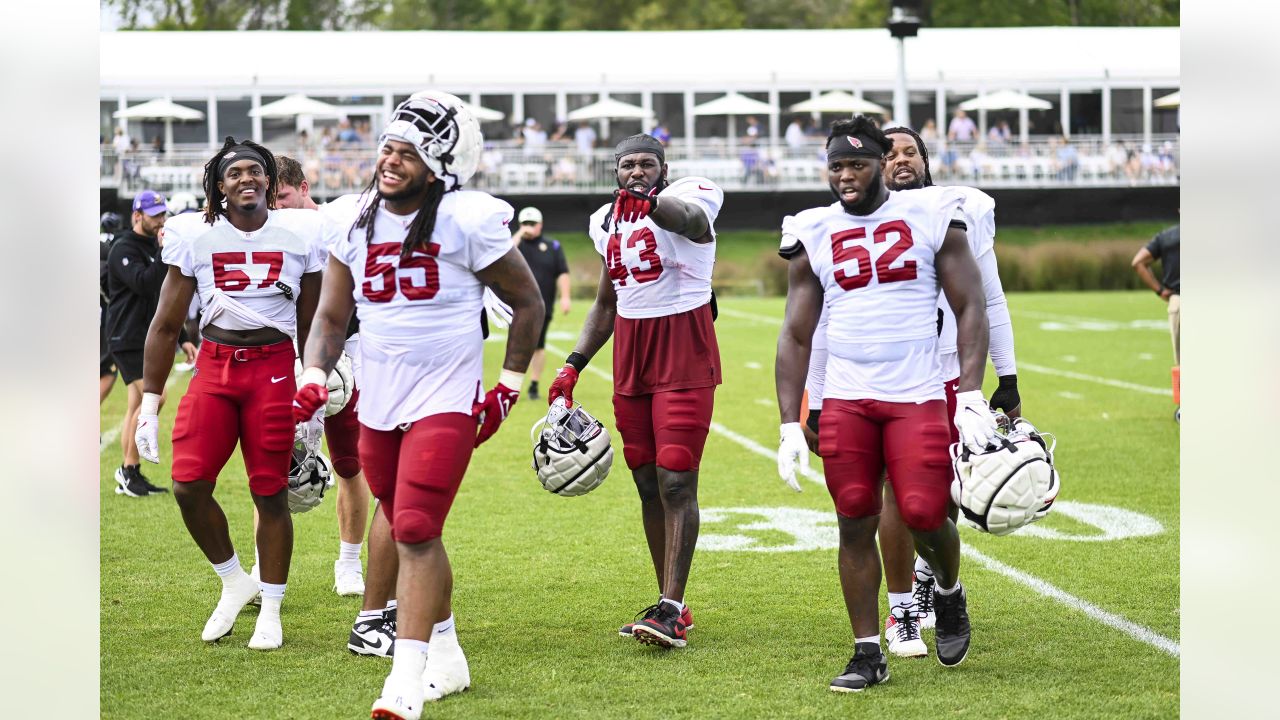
686 617
664 626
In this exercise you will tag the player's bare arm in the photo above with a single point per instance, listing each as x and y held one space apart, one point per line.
308 299
1142 265
328 333
162 336
962 282
683 218
804 305
510 279
598 327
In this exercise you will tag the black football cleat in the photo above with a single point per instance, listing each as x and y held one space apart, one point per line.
867 667
952 630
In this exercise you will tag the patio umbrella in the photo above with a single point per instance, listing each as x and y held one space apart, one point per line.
484 114
609 108
296 104
733 105
1172 100
1006 100
160 109
838 101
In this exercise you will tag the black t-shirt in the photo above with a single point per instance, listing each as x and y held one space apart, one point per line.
1164 247
546 260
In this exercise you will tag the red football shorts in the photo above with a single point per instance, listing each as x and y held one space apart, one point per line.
342 432
859 439
672 352
416 472
237 394
669 428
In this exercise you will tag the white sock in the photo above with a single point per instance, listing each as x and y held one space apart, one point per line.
230 569
903 600
923 569
409 658
271 605
349 552
679 606
256 560
946 591
368 615
870 639
445 629
391 604
271 591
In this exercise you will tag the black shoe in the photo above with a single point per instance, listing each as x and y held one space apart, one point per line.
952 630
127 484
867 667
376 636
664 626
136 472
390 616
533 390
629 629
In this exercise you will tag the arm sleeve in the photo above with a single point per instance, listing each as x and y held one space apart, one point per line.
1001 325
128 266
816 380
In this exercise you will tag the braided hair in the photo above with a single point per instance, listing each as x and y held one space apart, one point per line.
214 199
924 152
419 235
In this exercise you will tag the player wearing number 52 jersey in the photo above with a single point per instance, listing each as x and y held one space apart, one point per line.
658 244
258 274
876 260
413 263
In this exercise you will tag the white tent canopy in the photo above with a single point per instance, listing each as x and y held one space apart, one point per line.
1171 100
609 108
160 109
838 101
296 104
734 104
1006 100
484 114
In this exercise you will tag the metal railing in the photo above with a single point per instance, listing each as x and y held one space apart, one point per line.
508 168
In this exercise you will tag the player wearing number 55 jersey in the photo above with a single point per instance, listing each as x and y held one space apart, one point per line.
655 299
876 260
413 263
258 274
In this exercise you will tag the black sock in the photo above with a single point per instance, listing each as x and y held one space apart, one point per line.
533 386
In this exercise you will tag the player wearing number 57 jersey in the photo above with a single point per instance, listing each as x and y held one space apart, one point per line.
413 263
876 260
658 244
258 274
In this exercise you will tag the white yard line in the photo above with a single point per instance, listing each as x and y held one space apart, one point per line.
1095 379
750 316
1042 587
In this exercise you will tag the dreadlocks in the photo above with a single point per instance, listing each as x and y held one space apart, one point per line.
924 152
419 236
215 201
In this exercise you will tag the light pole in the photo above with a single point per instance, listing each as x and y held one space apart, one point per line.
904 22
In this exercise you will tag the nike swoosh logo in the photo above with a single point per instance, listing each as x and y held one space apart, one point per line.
703 188
278 379
375 646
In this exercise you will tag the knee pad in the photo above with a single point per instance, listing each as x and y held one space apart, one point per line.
922 513
676 458
858 502
413 526
346 467
636 456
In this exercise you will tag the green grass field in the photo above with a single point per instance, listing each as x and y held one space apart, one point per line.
543 582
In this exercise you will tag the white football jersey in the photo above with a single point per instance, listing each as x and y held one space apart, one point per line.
420 351
657 272
249 280
880 288
980 227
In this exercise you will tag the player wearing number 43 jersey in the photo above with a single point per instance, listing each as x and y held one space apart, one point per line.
655 299
258 274
414 260
876 259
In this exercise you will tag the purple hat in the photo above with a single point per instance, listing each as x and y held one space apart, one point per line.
149 202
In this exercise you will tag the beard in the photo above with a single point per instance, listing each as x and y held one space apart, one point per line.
410 191
915 183
867 204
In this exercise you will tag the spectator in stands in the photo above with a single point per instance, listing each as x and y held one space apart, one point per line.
584 137
1168 163
795 135
121 141
1068 160
752 133
561 133
535 138
157 145
980 161
961 128
661 133
546 260
1117 156
999 134
564 171
929 133
346 133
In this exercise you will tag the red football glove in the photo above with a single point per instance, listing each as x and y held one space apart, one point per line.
632 206
309 398
493 410
562 386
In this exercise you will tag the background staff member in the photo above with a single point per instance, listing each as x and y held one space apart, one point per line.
546 259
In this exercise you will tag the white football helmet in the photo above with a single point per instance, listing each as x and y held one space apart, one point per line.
183 202
571 450
341 384
1003 489
445 133
310 474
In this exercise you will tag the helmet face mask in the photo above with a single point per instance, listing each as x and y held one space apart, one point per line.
571 453
443 131
310 474
1015 484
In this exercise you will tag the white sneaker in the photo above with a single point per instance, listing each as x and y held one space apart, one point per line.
348 578
903 633
399 700
267 634
446 672
234 597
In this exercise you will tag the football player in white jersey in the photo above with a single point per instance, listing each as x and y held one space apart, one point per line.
258 274
658 244
413 263
876 259
906 167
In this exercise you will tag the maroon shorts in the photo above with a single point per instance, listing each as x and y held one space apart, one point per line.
415 473
237 394
860 439
342 432
669 428
673 352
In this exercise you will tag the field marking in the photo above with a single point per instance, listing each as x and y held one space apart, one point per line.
1095 379
1070 395
751 316
1055 322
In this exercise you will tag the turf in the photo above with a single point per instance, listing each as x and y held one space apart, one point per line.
542 582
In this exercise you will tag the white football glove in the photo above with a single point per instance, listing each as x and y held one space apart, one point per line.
147 437
975 421
793 453
499 313
310 433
